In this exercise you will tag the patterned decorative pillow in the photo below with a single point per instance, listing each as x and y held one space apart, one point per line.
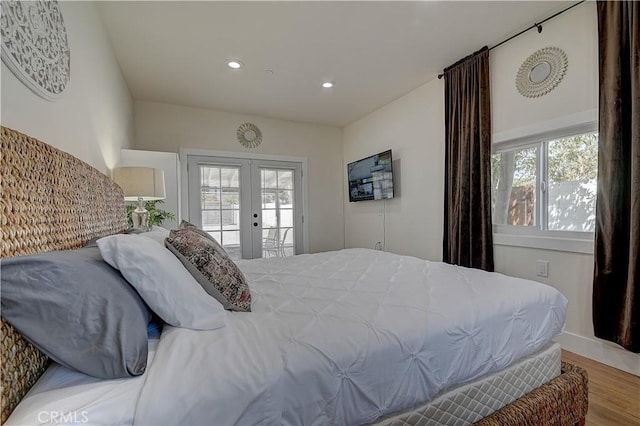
185 224
210 265
188 225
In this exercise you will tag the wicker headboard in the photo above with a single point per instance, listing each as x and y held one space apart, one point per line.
49 200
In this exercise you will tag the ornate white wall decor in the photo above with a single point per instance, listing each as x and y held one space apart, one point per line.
249 135
35 46
541 72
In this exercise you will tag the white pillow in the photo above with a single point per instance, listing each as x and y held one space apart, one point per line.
162 281
157 234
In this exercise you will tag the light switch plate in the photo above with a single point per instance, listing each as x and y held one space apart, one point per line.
542 268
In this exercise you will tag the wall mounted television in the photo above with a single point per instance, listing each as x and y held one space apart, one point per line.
371 178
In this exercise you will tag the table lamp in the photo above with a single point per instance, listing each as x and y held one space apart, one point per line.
140 184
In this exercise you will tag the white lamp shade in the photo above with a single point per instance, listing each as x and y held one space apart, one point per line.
140 182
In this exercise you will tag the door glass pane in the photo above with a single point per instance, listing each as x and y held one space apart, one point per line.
269 218
573 174
513 180
268 198
230 199
220 205
269 179
286 198
230 178
277 189
216 235
210 220
287 242
232 243
286 218
285 179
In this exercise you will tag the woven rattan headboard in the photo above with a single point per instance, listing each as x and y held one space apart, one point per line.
49 200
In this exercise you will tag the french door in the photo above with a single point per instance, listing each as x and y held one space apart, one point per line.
253 208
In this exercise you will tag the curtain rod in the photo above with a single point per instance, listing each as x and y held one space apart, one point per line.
537 25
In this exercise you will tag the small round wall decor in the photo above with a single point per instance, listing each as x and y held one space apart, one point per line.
35 46
249 135
541 72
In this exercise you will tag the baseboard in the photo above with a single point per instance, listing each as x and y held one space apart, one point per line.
601 351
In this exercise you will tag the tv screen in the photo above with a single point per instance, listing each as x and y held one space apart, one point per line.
371 178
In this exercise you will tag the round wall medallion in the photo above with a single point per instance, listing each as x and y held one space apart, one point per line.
541 72
249 135
35 46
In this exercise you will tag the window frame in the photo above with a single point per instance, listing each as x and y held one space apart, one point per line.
538 235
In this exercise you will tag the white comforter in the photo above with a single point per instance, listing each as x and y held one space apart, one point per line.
344 337
334 338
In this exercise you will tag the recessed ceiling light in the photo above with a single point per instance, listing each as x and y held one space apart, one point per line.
234 63
328 84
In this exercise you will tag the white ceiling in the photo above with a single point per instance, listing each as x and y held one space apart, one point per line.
174 52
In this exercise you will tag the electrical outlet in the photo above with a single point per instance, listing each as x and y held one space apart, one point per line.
378 245
542 268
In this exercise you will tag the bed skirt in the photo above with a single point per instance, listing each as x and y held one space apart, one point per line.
528 393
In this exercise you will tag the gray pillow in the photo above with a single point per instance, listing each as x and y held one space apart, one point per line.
78 310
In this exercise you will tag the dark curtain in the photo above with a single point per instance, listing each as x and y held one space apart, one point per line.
616 303
468 239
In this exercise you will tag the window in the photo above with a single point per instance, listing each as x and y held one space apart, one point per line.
548 185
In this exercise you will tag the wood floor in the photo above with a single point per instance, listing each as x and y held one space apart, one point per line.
614 395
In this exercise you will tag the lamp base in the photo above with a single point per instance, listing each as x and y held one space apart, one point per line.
140 217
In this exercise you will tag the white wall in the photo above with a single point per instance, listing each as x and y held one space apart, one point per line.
575 32
93 118
162 127
413 126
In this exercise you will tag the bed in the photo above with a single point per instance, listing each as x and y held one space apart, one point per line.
348 337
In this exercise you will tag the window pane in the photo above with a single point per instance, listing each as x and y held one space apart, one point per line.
286 198
210 187
573 172
287 243
220 205
216 235
231 243
285 179
230 177
231 198
210 198
268 199
269 179
513 179
269 218
210 220
286 217
210 176
230 219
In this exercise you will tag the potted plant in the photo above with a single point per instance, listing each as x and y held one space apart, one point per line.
156 215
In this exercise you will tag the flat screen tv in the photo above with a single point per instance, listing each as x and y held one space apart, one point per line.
371 178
